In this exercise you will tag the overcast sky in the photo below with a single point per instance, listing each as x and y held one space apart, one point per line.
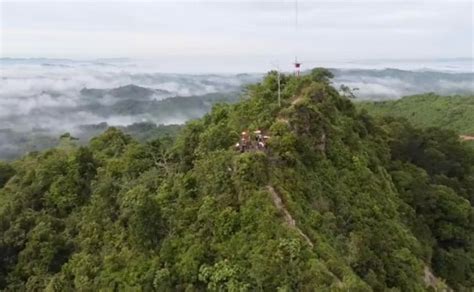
227 33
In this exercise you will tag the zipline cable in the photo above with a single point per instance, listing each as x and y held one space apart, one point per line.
297 64
296 15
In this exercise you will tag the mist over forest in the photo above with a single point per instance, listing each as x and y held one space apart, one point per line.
41 99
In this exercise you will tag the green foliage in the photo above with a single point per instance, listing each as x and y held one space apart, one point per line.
338 201
429 110
321 75
6 172
433 173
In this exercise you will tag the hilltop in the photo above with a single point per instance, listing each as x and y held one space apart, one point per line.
337 200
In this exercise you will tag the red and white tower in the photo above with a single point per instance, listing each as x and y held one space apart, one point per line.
297 67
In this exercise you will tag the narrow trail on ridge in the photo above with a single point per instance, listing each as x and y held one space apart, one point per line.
432 281
292 224
284 119
466 138
287 216
296 100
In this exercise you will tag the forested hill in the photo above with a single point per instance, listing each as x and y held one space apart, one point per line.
337 201
429 110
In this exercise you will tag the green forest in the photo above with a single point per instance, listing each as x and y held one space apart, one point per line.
429 110
337 201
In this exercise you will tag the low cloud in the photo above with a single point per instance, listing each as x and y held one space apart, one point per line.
41 98
47 93
394 83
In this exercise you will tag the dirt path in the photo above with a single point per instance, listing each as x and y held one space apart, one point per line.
287 216
283 120
429 279
296 100
466 138
432 281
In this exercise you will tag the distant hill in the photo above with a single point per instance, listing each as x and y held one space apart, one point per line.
131 91
429 110
180 108
130 100
136 91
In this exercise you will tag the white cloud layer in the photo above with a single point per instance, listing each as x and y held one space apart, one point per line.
37 92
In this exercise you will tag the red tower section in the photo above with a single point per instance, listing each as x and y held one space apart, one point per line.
297 68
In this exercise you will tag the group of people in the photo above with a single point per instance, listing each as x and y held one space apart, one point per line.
246 143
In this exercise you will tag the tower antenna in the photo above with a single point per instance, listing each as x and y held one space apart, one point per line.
279 83
296 64
296 14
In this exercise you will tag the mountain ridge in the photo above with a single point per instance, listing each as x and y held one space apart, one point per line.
379 202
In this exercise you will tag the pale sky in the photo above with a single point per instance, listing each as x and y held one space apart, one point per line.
237 32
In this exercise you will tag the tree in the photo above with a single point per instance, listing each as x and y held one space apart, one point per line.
6 172
321 75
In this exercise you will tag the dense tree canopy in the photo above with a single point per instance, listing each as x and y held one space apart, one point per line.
337 201
429 110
